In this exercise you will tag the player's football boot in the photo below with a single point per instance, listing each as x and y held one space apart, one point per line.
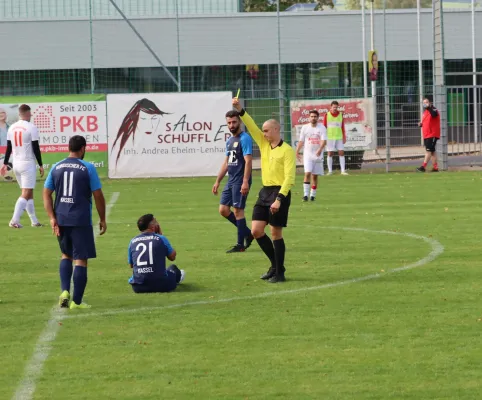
434 169
183 275
312 198
238 248
248 240
345 173
305 198
81 306
37 225
15 225
329 173
64 299
421 169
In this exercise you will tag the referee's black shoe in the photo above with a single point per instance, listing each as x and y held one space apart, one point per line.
305 198
277 278
268 275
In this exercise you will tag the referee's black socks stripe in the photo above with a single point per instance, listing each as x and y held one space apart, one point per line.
279 251
267 246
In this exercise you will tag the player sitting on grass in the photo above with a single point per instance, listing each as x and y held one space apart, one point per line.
147 257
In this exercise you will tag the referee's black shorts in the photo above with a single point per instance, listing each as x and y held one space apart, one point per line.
261 211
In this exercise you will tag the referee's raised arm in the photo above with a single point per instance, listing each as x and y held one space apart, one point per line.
251 126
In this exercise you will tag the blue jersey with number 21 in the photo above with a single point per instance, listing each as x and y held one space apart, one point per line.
147 254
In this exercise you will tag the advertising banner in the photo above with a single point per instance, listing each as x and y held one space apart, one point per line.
57 120
357 116
167 134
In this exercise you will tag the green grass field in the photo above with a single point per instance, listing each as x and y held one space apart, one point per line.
343 326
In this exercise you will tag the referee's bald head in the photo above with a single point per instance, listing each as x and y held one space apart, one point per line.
274 123
271 130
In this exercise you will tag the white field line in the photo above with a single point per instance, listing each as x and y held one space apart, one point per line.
437 249
33 370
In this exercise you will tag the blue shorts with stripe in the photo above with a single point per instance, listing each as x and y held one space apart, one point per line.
232 197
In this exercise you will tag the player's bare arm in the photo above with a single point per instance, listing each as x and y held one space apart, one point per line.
100 205
172 256
322 147
298 149
221 174
49 208
247 174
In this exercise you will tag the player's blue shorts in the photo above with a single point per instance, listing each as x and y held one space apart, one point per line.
164 285
77 242
232 197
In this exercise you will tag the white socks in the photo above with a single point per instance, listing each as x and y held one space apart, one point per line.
306 189
342 163
330 164
19 209
313 191
31 212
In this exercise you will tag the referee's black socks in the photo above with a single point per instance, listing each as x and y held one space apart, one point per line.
267 246
279 253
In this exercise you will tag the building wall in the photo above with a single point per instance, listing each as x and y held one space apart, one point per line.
234 39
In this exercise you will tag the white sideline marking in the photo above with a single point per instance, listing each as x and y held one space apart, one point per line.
33 370
437 249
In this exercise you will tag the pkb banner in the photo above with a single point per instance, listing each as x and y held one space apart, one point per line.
167 134
57 120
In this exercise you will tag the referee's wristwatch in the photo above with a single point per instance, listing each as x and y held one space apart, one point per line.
280 198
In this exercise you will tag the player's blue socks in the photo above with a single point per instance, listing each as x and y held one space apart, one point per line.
65 271
243 231
231 218
80 282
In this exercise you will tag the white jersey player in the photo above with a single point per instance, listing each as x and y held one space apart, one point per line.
23 145
313 138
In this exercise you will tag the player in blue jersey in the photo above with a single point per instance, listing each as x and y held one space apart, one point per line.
74 182
147 255
238 165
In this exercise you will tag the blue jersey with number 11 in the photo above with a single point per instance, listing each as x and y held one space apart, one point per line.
73 181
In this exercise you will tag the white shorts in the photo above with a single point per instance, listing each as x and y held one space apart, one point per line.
314 167
26 174
333 145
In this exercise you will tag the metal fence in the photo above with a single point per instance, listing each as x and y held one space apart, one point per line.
401 84
399 140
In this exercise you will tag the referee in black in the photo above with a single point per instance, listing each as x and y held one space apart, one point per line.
278 170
